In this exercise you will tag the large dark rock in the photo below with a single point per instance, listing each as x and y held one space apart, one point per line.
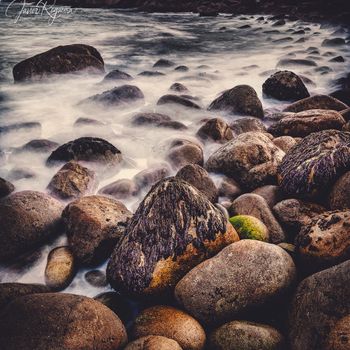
241 100
215 129
6 187
177 100
89 149
117 75
27 219
314 164
285 86
174 228
60 321
321 300
59 60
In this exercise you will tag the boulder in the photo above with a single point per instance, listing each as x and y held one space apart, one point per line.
96 278
163 63
33 127
72 181
247 124
88 149
245 335
94 225
285 143
319 303
249 227
285 86
177 100
120 189
215 129
334 42
228 188
178 87
117 75
145 119
292 62
150 176
153 342
251 159
165 239
27 219
225 286
60 321
172 323
304 123
241 100
38 146
6 187
339 197
316 162
270 193
85 122
59 60
339 336
148 73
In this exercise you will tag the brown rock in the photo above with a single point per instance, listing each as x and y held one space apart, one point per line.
150 176
120 189
229 188
6 187
339 336
247 124
339 197
153 342
270 193
215 129
285 143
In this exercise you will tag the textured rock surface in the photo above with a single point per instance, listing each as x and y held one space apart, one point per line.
249 227
153 342
339 336
246 124
215 129
177 100
120 189
271 193
339 197
6 187
285 143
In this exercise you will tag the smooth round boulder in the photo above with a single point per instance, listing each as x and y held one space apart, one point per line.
150 176
94 225
285 86
241 100
117 75
251 159
177 100
6 187
27 220
60 268
243 335
228 188
88 149
246 124
310 168
96 278
339 197
249 227
236 272
165 239
59 321
339 336
144 119
38 146
163 63
153 342
120 189
178 87
215 129
271 194
172 323
285 143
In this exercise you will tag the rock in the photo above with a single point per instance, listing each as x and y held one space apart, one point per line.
270 193
229 188
163 63
249 227
294 214
346 114
39 146
88 122
320 301
164 239
117 75
20 127
279 23
338 59
339 197
172 323
304 123
177 100
241 99
27 219
285 143
60 268
316 162
333 42
11 291
255 205
88 149
121 95
151 74
215 129
6 187
339 336
172 124
316 102
181 69
120 189
292 62
245 335
325 241
182 152
251 159
96 278
94 225
285 86
16 174
153 342
200 179
225 286
72 181
59 60
150 176
141 119
247 124
178 87
60 321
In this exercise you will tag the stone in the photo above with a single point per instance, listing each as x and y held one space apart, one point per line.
320 301
255 205
333 42
339 197
247 124
163 63
172 323
292 62
60 321
148 177
151 74
60 268
72 181
16 174
96 278
38 146
325 241
165 239
245 335
304 123
251 159
117 75
88 149
177 100
172 124
199 178
21 127
153 342
270 193
316 102
6 187
178 87
285 143
94 225
120 189
181 69
59 60
27 220
228 188
84 122
316 162
142 119
285 86
225 286
241 100
215 129
249 227
339 336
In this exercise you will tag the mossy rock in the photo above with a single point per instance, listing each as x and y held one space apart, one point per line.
249 227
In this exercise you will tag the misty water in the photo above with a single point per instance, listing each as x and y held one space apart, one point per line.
217 51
